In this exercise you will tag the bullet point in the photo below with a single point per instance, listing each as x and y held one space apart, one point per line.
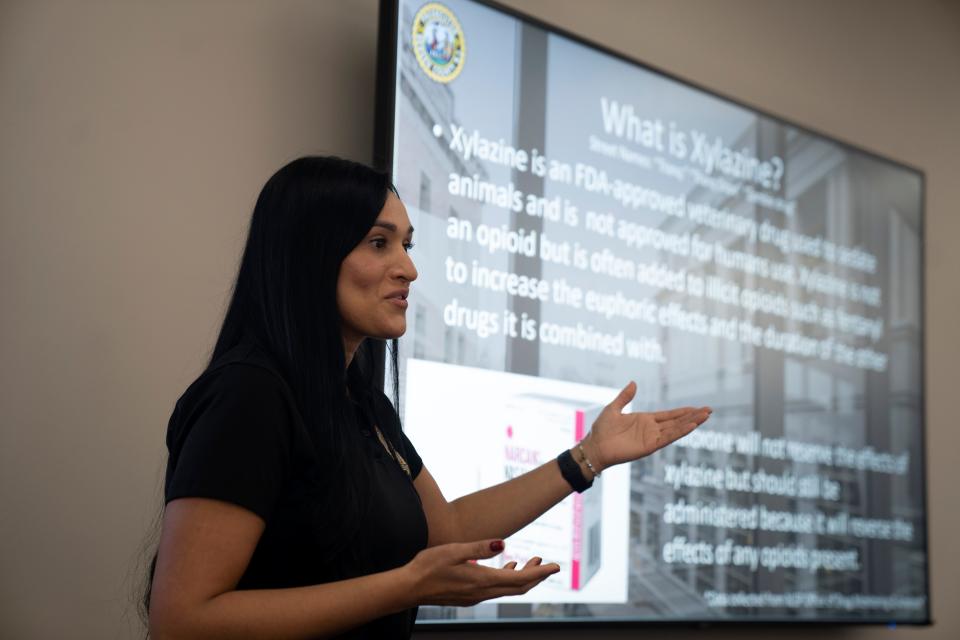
437 130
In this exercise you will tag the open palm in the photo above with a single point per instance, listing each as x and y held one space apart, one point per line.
621 437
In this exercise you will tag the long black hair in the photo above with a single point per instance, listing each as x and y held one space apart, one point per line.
308 217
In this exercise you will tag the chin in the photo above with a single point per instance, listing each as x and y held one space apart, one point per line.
392 333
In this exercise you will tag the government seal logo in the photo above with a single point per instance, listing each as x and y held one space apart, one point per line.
438 42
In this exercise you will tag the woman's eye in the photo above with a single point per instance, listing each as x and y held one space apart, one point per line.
378 243
407 246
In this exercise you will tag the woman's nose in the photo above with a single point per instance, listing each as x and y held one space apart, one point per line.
406 269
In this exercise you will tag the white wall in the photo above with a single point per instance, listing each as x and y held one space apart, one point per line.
134 137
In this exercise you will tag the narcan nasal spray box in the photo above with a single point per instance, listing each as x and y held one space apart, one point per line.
534 428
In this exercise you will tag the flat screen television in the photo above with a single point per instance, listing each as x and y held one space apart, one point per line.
583 220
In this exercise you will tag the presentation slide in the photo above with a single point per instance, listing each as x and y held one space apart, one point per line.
583 221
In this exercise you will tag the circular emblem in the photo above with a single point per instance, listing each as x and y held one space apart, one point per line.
438 42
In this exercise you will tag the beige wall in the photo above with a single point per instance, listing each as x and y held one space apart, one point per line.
134 137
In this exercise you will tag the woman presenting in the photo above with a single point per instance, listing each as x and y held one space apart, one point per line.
295 505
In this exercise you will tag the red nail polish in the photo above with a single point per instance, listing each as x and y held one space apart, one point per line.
496 545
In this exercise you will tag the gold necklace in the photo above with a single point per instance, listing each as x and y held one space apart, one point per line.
393 452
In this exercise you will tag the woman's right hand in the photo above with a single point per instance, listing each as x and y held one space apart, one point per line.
447 575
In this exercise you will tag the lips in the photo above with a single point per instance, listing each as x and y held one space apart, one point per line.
399 293
399 297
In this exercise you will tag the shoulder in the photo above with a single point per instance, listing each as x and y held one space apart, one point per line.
244 371
237 386
233 437
243 393
243 378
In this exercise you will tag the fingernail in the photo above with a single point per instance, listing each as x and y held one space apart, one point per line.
496 545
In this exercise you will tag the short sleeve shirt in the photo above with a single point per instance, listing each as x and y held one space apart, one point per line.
236 436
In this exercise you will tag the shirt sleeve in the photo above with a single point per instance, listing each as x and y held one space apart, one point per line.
233 441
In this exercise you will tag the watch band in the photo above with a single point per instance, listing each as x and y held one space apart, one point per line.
572 473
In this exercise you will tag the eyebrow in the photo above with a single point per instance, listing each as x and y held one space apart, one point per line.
391 227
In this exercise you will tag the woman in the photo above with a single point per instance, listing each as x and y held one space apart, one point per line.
296 507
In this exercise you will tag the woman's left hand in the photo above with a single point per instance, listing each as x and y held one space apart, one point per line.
621 437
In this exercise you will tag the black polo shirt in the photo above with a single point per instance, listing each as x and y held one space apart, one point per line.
236 435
